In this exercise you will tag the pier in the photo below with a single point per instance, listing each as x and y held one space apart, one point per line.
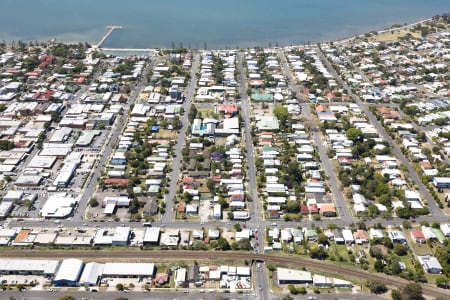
106 36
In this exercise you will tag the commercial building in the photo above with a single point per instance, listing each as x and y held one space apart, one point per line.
288 276
58 205
28 267
91 274
121 236
151 236
69 272
129 270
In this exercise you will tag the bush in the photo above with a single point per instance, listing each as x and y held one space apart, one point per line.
301 290
292 289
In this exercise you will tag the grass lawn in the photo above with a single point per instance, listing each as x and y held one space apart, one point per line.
418 249
165 134
203 189
206 111
394 34
220 141
339 251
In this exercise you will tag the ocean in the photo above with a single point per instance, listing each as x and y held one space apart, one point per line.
206 23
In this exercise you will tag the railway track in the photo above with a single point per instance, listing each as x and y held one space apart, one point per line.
326 267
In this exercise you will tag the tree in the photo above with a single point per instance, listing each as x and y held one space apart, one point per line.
442 281
412 291
396 295
354 134
211 185
322 239
93 202
223 244
6 145
292 206
318 253
119 287
292 289
378 265
281 113
376 286
400 249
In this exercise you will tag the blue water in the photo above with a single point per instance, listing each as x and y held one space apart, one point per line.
218 24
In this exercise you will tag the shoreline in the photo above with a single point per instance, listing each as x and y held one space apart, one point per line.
61 39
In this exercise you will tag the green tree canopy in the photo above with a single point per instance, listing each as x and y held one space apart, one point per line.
354 134
412 291
281 113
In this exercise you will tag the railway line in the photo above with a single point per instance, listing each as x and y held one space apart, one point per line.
326 267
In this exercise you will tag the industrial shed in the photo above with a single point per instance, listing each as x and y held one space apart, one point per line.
129 270
69 272
91 274
289 276
28 267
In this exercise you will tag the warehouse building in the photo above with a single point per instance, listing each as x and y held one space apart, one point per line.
151 236
58 206
91 274
129 270
69 272
288 276
28 267
121 236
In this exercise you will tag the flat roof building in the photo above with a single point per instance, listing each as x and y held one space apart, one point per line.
129 270
45 162
151 236
28 267
289 276
58 206
121 236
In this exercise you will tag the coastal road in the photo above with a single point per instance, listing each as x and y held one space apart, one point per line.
355 274
179 145
431 204
342 209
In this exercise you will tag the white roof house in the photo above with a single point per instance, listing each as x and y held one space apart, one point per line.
430 264
348 236
445 228
180 276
